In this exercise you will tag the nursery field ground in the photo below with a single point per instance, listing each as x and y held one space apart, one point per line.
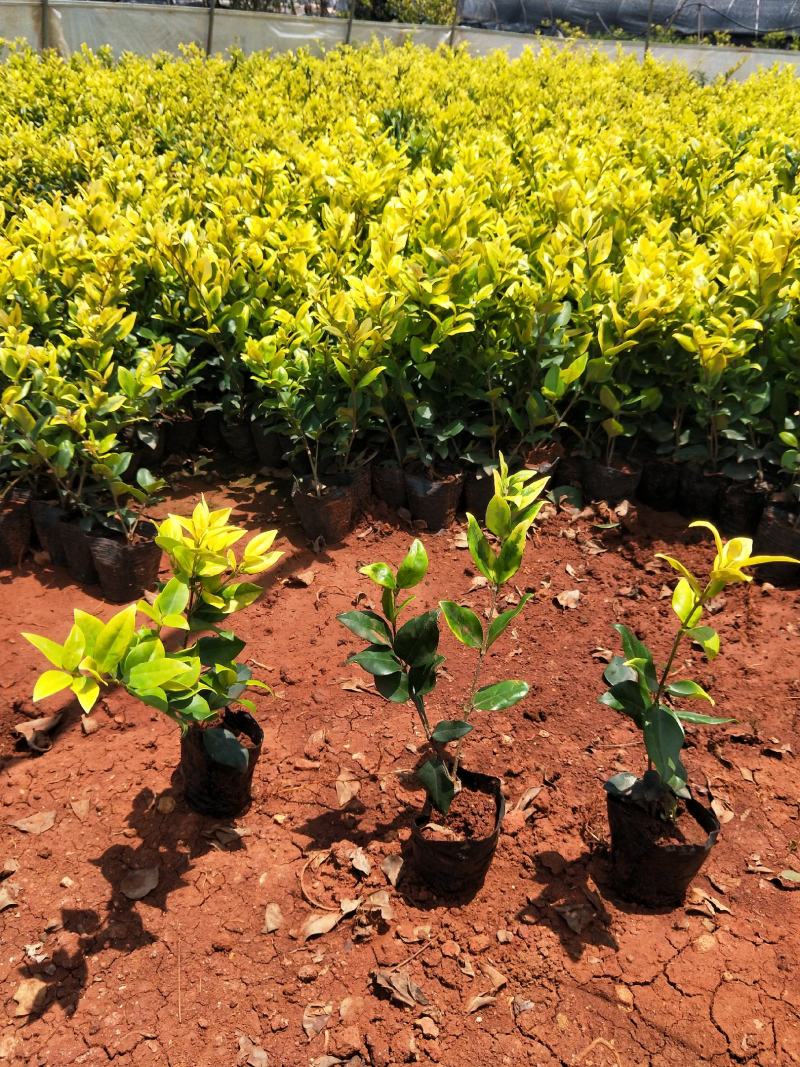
187 975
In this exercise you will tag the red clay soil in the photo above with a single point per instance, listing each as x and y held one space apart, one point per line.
542 967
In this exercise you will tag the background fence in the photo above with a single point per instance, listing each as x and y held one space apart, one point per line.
67 25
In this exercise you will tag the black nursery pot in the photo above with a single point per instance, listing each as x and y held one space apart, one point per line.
612 484
77 544
46 517
270 446
126 570
214 788
645 872
740 509
478 491
329 515
456 867
389 484
180 436
15 530
239 440
659 485
778 534
699 493
434 501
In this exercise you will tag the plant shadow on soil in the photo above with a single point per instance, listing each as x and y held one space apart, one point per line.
172 841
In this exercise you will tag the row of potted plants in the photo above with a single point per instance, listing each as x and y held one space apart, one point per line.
198 680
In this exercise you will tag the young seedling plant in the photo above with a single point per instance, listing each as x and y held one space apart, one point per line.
405 661
638 689
192 684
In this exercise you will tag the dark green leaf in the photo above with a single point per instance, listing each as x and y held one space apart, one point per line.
422 679
635 649
438 784
223 647
663 739
503 620
617 672
463 622
377 660
450 730
500 695
224 747
367 625
393 687
414 567
416 641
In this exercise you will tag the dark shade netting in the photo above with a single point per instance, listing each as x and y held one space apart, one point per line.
739 18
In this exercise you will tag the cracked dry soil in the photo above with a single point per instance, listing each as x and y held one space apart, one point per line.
187 975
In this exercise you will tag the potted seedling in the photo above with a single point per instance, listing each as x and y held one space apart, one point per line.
125 552
196 685
654 819
455 836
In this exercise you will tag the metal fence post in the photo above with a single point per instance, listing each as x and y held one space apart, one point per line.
44 36
350 21
212 7
649 27
456 10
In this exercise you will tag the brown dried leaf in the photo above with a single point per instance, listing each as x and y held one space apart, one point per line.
526 800
30 997
360 862
391 867
304 578
497 979
347 787
460 540
479 1002
413 935
576 916
251 1054
319 922
348 906
747 774
568 599
787 879
35 824
603 654
355 685
35 731
479 582
316 1017
273 918
80 808
721 810
400 986
6 900
380 902
138 883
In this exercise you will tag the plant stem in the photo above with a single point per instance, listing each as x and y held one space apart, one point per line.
475 679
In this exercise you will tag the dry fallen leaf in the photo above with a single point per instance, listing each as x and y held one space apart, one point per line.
360 862
721 810
391 867
603 654
319 922
35 731
525 802
576 916
787 879
355 685
6 900
316 1017
80 808
35 824
413 935
479 1002
379 902
460 540
349 905
497 979
273 918
305 577
251 1054
138 883
30 997
568 599
347 786
478 582
400 987
747 774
